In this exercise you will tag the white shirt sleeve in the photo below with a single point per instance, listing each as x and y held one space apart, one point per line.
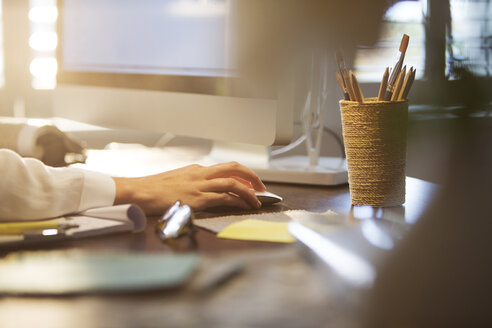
30 190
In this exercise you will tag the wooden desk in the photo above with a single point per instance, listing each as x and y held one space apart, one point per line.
277 288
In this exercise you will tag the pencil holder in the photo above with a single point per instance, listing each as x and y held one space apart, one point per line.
375 136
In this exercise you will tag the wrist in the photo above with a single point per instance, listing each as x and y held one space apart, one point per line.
124 193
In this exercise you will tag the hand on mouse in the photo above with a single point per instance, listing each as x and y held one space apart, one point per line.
229 184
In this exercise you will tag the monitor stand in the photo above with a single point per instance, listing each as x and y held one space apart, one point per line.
290 169
296 169
311 169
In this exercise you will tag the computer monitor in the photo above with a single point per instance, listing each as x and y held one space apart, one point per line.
160 65
216 69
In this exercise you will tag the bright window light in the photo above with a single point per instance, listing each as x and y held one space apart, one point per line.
198 8
43 41
43 84
404 17
470 41
43 14
2 64
43 68
405 12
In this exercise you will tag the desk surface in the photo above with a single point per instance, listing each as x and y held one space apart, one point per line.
277 288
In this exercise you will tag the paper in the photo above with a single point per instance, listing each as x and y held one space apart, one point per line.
258 230
92 222
129 215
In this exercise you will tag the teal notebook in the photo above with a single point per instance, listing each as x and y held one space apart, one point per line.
74 272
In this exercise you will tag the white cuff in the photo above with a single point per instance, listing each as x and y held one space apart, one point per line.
26 142
99 190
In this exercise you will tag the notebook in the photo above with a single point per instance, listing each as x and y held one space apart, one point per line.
92 222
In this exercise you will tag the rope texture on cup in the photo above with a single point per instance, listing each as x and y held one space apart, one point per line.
375 134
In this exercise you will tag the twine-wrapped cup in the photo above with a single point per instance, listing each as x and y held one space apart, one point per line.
375 136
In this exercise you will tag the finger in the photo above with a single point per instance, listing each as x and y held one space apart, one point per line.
231 185
214 199
244 182
234 169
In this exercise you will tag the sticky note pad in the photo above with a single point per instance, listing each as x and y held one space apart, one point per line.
258 230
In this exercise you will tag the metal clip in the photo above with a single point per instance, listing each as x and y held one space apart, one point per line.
177 221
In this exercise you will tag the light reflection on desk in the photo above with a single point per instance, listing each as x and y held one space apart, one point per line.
376 235
419 194
372 232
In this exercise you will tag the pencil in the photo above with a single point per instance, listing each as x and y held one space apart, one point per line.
357 90
340 84
396 70
17 228
384 83
399 83
405 82
350 89
408 84
342 70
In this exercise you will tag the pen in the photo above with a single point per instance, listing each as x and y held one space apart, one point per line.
51 233
213 277
396 70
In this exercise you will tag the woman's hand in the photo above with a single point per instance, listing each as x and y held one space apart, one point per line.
229 184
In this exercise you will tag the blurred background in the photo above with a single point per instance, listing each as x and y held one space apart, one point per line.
447 38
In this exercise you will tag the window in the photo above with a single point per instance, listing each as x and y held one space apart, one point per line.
404 17
469 42
43 42
2 61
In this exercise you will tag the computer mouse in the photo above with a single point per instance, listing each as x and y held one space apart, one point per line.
267 198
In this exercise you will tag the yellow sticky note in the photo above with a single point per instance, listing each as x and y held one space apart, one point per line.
259 230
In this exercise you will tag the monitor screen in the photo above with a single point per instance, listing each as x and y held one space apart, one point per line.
160 44
167 37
